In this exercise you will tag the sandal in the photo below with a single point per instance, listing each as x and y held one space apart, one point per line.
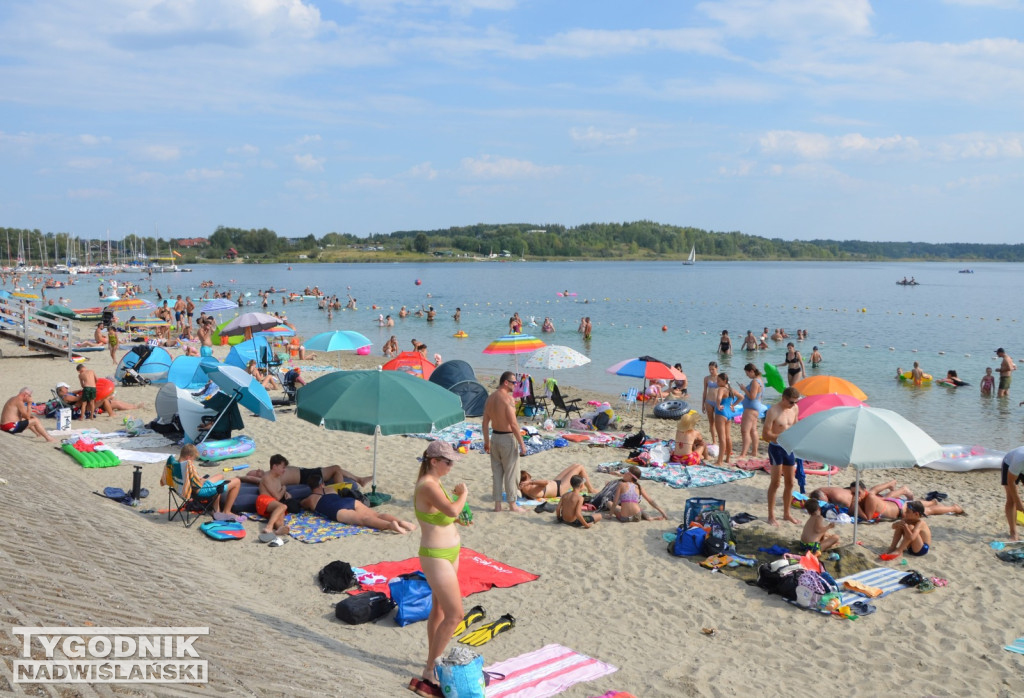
939 581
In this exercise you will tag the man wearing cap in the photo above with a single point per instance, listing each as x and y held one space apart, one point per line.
783 464
1005 369
17 416
505 444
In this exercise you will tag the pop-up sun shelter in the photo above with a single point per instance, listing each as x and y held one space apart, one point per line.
152 363
458 377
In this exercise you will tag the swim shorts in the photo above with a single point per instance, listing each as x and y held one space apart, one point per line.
920 553
262 502
777 455
14 427
586 517
88 394
205 351
1004 382
1005 477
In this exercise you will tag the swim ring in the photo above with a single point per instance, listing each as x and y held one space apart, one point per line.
905 378
671 409
820 469
772 377
460 334
959 458
565 295
223 449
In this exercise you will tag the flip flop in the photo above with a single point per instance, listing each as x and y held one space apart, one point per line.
277 542
267 536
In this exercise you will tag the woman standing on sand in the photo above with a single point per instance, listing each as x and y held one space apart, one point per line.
752 408
724 412
439 555
707 398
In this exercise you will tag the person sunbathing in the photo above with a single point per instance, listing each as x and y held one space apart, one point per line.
107 404
873 507
348 510
266 380
331 474
843 496
543 489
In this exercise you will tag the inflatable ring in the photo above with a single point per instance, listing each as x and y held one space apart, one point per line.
822 469
905 378
961 458
92 459
460 334
671 409
223 449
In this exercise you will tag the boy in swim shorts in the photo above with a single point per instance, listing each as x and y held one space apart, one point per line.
911 535
570 506
271 501
815 536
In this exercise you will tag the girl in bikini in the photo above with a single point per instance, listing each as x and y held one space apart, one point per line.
439 554
689 448
544 489
626 506
708 397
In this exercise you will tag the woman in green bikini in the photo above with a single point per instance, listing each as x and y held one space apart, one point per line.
439 554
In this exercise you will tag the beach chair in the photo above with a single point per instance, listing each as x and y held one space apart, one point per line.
538 406
563 405
188 496
628 399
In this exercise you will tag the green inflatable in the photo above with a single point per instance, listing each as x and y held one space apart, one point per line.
93 459
773 378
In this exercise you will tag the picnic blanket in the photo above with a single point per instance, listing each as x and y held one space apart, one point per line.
477 572
681 476
457 433
885 578
544 672
310 527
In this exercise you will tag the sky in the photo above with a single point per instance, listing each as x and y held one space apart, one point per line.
796 119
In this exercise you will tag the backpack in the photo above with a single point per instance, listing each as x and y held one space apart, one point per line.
719 530
336 577
223 530
780 578
635 440
689 541
363 608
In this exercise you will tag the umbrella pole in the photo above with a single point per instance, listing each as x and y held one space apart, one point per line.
856 503
373 485
643 406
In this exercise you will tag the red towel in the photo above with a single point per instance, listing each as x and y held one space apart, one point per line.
477 572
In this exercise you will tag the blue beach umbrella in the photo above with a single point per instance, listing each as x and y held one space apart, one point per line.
241 388
217 304
337 340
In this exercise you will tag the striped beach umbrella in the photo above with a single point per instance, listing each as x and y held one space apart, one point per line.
130 304
514 344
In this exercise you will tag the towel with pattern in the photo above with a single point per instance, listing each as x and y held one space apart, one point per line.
885 578
544 672
477 572
310 527
681 476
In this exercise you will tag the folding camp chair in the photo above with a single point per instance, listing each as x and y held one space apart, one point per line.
563 405
628 399
531 405
188 497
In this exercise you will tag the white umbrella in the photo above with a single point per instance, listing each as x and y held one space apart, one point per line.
867 438
554 357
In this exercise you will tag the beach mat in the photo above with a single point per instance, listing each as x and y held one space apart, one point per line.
680 476
477 572
1016 646
310 527
885 578
544 672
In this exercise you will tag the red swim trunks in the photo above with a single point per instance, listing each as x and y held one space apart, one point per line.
262 502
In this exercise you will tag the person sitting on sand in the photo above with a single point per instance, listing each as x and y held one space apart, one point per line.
109 404
543 489
690 448
626 505
873 507
348 510
17 416
570 506
815 536
206 486
273 499
911 535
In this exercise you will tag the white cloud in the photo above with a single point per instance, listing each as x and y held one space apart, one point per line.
162 153
594 136
982 146
421 171
245 149
88 163
585 43
202 173
791 19
997 4
818 146
88 193
490 167
311 138
309 162
89 139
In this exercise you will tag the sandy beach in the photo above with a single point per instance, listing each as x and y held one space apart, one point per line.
70 558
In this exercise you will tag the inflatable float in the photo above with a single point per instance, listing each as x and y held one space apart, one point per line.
92 459
905 378
819 469
671 409
222 449
959 458
562 294
461 334
772 377
88 347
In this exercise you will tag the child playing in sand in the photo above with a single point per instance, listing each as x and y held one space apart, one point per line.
570 506
816 537
912 534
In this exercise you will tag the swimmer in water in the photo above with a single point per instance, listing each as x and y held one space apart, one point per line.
815 357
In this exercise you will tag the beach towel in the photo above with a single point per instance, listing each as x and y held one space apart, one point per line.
310 527
127 456
544 672
681 476
454 434
885 578
477 572
1016 646
598 438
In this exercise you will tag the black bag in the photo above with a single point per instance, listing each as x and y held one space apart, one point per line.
634 440
782 581
713 545
912 579
336 577
363 608
600 422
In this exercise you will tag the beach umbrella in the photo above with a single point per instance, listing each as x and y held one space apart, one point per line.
215 305
555 357
247 325
821 385
129 304
812 404
413 363
648 368
337 340
148 322
867 438
514 344
242 389
61 310
278 331
379 403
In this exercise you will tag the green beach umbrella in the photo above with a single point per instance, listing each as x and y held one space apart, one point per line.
379 403
61 310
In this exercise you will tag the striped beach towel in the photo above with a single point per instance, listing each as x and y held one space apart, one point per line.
544 672
1016 646
885 578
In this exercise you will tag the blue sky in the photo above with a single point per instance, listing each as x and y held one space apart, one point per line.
841 119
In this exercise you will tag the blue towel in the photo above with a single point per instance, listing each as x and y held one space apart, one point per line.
885 578
1016 646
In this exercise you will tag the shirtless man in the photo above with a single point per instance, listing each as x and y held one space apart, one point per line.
17 416
179 312
332 475
108 404
1005 369
843 496
779 417
500 415
205 332
190 309
350 511
87 377
271 501
872 507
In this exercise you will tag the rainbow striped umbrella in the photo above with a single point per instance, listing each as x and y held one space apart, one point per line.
514 344
130 304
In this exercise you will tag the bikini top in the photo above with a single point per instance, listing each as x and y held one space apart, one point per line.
438 518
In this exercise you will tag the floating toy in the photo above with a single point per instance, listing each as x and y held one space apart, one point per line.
664 328
565 294
905 378
671 409
772 377
960 458
223 449
104 388
92 458
819 469
460 334
363 351
419 282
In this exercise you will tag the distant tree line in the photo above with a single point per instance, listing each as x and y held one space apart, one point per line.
629 240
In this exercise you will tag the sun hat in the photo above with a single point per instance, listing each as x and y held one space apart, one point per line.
441 449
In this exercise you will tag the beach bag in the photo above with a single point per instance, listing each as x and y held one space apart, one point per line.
411 593
363 608
779 578
688 542
810 589
461 674
717 524
635 440
601 420
336 577
695 506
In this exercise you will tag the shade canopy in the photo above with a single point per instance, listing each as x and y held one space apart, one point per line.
186 371
514 344
337 340
255 322
246 390
646 367
217 304
411 362
61 310
129 304
555 357
821 385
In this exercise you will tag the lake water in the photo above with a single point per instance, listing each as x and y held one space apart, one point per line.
864 324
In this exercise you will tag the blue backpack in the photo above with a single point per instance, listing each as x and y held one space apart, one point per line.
689 541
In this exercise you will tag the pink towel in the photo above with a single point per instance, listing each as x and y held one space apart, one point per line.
544 672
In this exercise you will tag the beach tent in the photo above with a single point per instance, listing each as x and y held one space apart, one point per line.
257 348
458 377
186 371
152 363
172 400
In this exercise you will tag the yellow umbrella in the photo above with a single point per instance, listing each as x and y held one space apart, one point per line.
822 385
